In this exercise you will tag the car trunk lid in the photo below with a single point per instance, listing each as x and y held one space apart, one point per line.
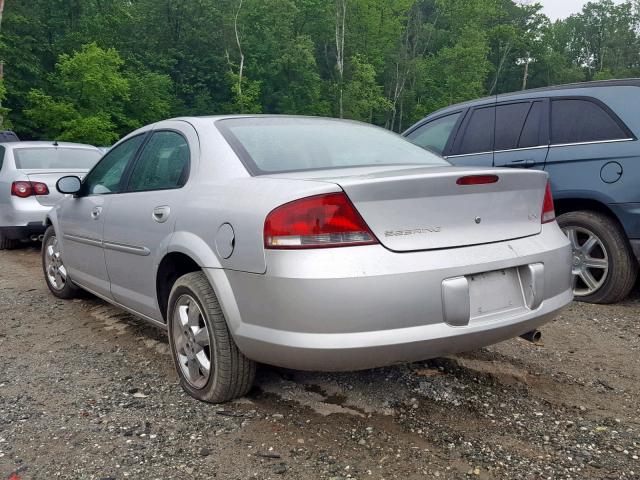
50 178
425 208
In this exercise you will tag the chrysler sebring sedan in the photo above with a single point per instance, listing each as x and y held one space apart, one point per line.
306 243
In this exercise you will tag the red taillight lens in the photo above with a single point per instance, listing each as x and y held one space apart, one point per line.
40 188
477 179
548 210
21 189
26 189
316 222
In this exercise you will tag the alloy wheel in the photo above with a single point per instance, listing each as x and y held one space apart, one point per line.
590 264
54 266
192 344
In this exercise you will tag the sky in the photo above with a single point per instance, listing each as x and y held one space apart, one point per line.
556 9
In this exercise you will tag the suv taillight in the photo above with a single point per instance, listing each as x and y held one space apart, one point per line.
320 221
548 210
26 189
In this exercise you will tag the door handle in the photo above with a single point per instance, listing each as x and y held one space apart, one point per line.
523 163
161 214
95 212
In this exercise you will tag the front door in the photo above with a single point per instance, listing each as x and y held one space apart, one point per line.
141 220
82 218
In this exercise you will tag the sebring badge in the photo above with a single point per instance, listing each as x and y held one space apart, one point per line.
413 231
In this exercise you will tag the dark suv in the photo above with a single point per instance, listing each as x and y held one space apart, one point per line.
586 136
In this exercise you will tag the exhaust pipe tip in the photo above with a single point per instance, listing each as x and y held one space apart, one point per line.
534 336
33 238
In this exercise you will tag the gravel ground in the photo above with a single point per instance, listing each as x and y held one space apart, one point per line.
89 392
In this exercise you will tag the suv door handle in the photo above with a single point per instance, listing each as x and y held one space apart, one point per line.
523 163
161 214
95 212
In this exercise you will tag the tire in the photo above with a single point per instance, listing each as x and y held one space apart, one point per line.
53 267
193 305
611 247
7 243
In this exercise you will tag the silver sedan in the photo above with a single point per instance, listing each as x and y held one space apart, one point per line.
306 243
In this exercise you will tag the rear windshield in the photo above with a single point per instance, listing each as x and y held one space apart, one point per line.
52 157
289 144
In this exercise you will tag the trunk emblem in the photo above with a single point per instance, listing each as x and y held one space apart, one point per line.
414 231
478 220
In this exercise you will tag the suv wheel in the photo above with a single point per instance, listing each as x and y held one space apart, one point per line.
7 243
604 267
55 272
209 364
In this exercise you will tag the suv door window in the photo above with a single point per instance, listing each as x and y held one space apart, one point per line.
106 176
530 136
478 135
510 119
435 134
163 163
577 120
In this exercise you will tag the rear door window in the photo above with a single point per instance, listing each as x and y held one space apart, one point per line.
478 134
163 163
435 134
580 120
510 120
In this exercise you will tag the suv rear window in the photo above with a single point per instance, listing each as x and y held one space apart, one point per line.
577 121
289 144
51 157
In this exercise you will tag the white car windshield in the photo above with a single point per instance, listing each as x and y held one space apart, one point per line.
287 144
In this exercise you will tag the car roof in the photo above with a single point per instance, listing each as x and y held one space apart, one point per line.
40 144
629 82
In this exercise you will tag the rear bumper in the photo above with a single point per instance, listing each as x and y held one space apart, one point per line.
363 307
23 232
23 213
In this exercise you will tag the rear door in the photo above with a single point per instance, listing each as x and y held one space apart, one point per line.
473 145
81 217
521 138
141 220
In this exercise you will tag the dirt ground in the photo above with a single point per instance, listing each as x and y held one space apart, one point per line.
89 392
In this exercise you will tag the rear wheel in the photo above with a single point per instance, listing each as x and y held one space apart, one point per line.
55 272
209 364
604 267
7 243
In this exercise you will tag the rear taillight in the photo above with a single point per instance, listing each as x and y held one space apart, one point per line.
548 210
321 221
26 189
477 179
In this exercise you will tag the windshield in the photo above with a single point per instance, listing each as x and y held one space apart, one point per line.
52 158
288 144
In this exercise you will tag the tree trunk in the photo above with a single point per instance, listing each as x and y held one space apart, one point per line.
241 67
341 14
526 72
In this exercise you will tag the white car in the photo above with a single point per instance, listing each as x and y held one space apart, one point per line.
28 175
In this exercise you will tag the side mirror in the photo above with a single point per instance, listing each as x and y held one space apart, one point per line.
69 185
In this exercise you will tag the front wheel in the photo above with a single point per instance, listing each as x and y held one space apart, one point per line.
209 364
55 272
604 267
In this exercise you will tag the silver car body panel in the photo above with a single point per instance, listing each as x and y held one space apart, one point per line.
327 309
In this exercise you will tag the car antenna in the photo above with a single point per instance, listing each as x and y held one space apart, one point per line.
55 143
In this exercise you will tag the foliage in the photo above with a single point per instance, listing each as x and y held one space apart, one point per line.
92 71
